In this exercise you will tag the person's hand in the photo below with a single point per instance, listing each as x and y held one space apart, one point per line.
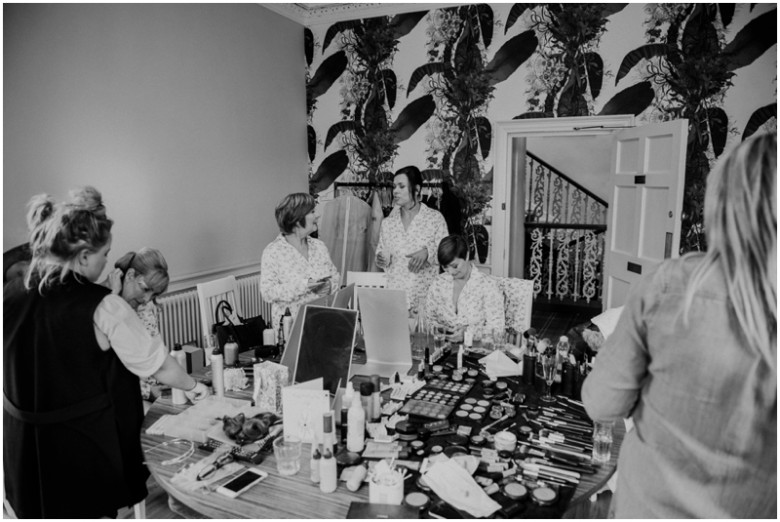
455 335
383 261
418 260
198 393
115 281
319 286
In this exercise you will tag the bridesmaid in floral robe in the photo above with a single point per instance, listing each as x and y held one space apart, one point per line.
408 239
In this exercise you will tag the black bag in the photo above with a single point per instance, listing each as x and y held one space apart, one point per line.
248 334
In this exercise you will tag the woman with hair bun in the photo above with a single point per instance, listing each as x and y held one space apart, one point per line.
693 360
73 353
408 239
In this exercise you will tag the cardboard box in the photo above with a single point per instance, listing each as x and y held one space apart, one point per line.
196 359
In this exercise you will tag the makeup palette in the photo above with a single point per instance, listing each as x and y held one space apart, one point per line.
437 399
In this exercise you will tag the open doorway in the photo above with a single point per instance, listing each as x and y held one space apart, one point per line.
550 193
582 206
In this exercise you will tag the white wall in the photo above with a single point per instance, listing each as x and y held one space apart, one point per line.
585 159
190 118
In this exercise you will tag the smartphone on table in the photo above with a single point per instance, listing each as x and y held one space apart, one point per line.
245 480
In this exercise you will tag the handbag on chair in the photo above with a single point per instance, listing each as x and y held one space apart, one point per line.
248 333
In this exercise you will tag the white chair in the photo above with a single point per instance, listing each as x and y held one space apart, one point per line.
518 301
211 293
367 279
139 510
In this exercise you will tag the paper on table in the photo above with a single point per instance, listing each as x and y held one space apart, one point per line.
497 364
607 320
455 485
303 405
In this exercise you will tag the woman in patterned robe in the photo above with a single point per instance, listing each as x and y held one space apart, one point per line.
463 297
296 268
408 239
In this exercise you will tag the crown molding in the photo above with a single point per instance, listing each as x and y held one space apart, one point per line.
328 14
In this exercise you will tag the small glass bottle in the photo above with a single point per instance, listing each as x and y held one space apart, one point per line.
315 464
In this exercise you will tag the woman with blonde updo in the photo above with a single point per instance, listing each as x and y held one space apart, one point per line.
73 353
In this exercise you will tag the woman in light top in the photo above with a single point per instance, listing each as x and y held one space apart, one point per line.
72 357
463 297
693 360
408 239
138 278
296 268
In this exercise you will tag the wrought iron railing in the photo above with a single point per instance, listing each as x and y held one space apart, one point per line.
564 227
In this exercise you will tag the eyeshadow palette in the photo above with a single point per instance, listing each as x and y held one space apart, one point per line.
437 399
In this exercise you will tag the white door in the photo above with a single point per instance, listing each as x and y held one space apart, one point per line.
643 220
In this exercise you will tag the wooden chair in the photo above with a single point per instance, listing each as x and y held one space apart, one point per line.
518 301
367 279
211 293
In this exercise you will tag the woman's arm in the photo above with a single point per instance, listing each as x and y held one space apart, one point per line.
277 281
439 233
493 305
612 389
141 353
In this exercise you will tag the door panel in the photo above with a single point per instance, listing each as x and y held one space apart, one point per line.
648 171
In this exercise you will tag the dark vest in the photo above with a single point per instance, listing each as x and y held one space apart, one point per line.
72 412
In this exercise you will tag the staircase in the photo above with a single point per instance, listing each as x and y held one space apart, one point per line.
564 244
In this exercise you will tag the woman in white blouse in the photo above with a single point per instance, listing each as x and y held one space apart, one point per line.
463 297
296 268
408 239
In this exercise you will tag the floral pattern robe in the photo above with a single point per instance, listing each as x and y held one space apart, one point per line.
285 274
426 230
480 303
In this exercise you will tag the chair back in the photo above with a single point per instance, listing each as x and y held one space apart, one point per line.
518 301
367 279
211 293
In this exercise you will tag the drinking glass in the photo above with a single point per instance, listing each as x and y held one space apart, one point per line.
287 451
499 338
602 442
548 368
439 337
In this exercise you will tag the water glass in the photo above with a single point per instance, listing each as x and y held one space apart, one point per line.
602 442
209 343
439 337
287 451
499 338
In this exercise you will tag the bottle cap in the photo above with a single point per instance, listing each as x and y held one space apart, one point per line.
287 311
563 339
366 388
176 347
327 422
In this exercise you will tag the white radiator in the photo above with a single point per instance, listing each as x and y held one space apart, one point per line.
180 311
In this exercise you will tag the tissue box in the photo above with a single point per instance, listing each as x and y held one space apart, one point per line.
270 378
195 358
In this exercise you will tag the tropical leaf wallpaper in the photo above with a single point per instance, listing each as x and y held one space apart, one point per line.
424 88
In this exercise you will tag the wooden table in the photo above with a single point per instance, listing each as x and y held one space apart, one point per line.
296 496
